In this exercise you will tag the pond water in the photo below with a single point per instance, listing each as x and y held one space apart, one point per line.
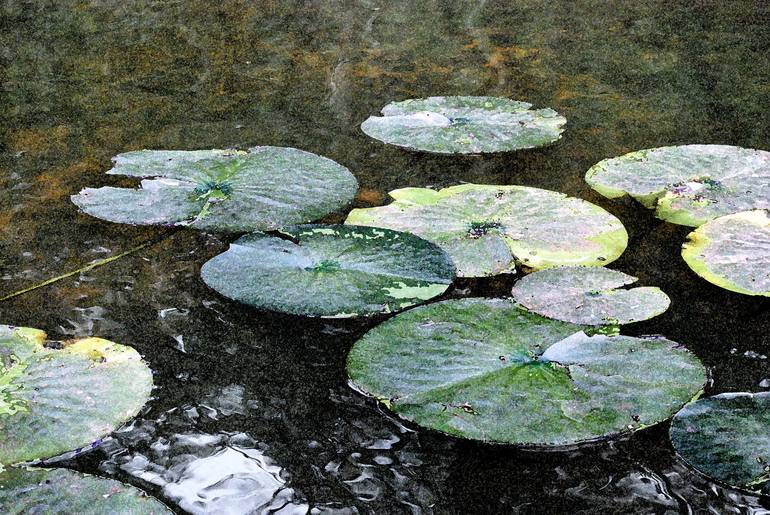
252 410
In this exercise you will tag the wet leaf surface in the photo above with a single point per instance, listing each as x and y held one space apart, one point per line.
591 296
489 370
488 230
337 271
464 125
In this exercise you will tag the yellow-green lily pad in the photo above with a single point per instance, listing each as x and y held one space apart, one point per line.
733 252
61 396
488 230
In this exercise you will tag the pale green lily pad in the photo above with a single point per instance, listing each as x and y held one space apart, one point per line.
265 188
488 230
33 490
489 370
464 125
590 296
60 396
733 252
727 437
688 184
331 271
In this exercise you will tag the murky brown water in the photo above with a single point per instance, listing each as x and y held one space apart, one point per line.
252 410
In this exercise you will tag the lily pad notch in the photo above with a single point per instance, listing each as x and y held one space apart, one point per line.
489 230
263 189
688 184
733 252
589 295
489 370
464 125
333 271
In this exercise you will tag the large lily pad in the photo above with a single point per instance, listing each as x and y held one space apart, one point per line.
727 437
583 295
331 271
265 188
464 125
688 184
60 396
489 370
31 490
733 252
487 229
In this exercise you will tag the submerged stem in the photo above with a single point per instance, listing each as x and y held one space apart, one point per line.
95 264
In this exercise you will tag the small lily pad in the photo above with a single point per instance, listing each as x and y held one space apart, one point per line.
60 396
489 370
464 125
265 188
487 229
590 296
688 184
33 490
727 437
733 252
331 271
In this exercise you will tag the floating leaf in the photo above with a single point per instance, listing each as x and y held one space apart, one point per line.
688 184
733 252
726 437
223 190
589 296
33 490
331 271
464 125
59 396
487 229
489 370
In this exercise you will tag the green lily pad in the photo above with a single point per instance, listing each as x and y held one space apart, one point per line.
59 396
33 490
726 437
487 230
733 252
464 125
688 184
590 296
487 369
331 271
265 188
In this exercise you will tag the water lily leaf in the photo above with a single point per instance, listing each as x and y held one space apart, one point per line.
33 490
331 271
60 396
265 188
487 230
489 370
464 125
590 296
733 252
688 184
726 437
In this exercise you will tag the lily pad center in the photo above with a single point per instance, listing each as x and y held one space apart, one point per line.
479 229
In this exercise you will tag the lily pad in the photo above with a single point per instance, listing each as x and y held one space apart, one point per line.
265 188
60 396
726 437
487 230
589 296
464 125
688 184
489 370
33 490
331 271
733 252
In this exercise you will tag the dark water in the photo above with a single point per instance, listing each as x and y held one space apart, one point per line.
252 410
